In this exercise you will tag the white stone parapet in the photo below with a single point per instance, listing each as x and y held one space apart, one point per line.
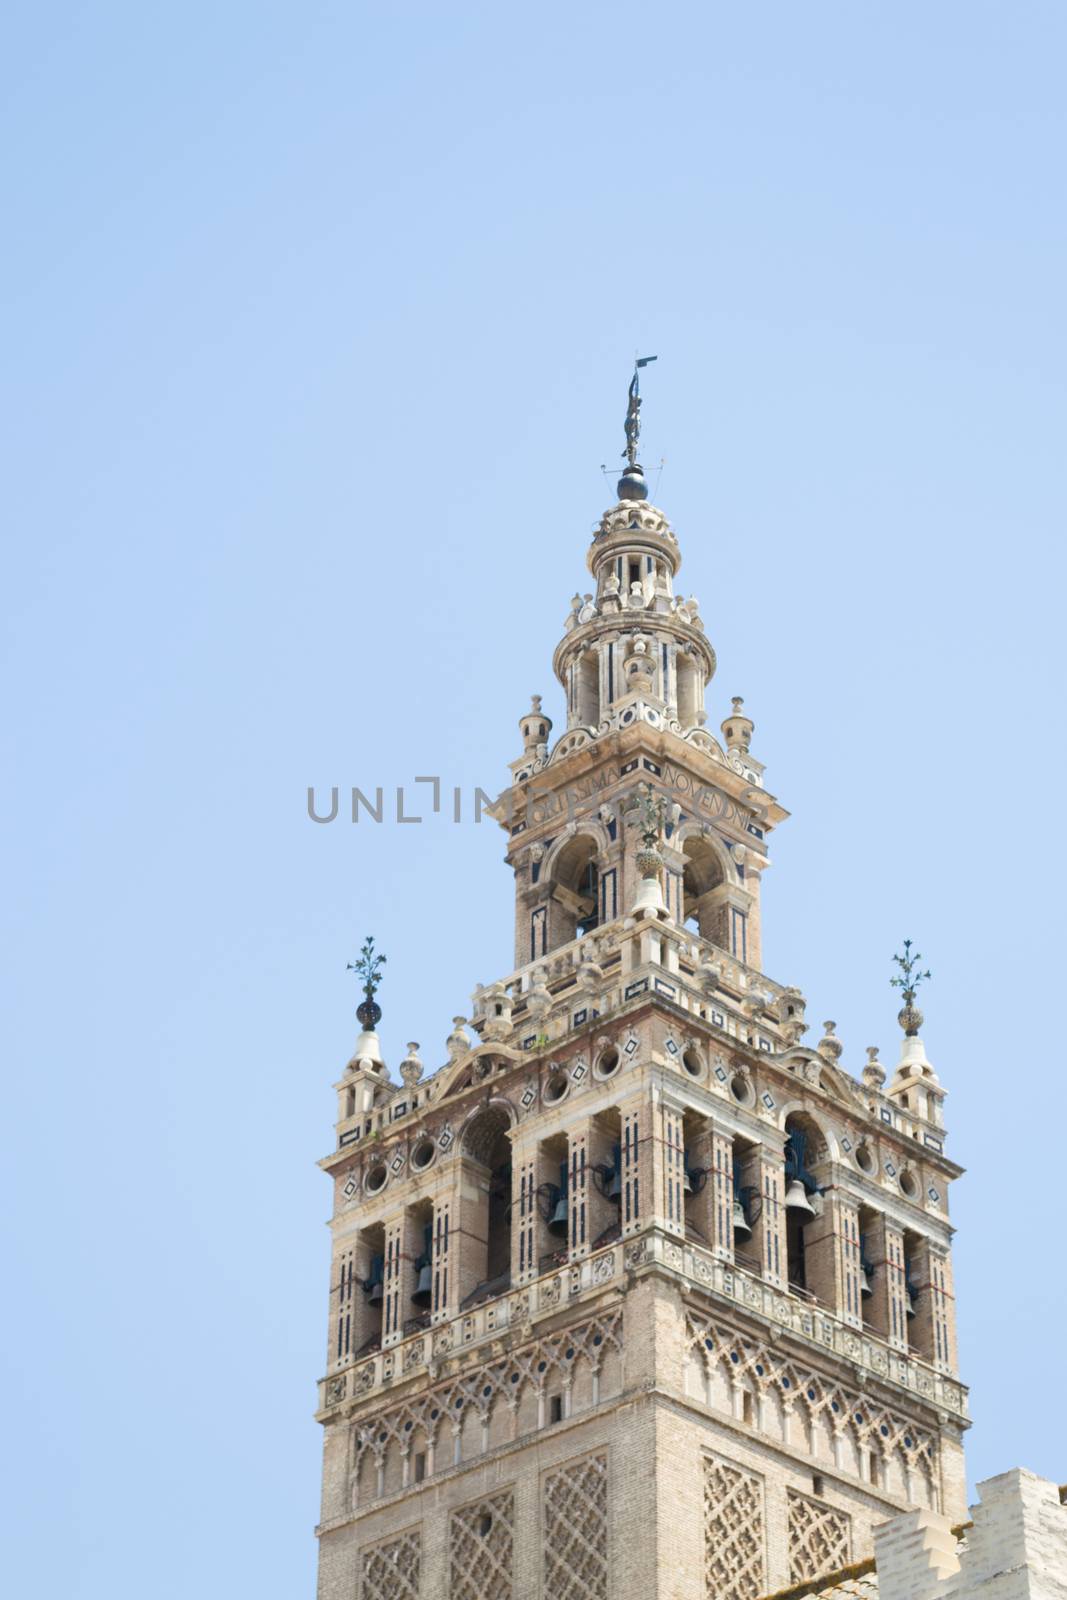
1016 1548
719 1280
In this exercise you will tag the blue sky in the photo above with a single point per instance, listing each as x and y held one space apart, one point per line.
319 321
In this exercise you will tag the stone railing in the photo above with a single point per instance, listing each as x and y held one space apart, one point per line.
478 1326
796 1315
721 1280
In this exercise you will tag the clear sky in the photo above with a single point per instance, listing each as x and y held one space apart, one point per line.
318 327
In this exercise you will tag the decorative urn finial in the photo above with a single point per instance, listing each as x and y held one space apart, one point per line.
411 1066
873 1071
458 1041
908 980
829 1045
738 728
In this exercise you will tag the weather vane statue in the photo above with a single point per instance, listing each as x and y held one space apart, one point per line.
908 981
633 411
368 966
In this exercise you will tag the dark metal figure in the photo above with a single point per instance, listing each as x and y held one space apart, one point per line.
633 411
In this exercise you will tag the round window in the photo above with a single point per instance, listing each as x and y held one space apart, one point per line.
865 1158
692 1064
556 1087
741 1089
608 1064
422 1155
376 1178
909 1184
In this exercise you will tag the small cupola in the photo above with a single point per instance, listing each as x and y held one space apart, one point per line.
737 730
535 726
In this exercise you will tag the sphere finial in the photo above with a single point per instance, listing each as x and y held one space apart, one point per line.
632 485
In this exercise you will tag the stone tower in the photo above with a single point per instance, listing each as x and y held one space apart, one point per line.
637 1295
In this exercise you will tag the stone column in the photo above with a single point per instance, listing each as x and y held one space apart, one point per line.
888 1303
443 1228
526 1218
668 1168
636 1165
769 1230
932 1333
393 1289
721 1203
579 1183
832 1257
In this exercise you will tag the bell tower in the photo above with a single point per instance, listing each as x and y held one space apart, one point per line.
636 1294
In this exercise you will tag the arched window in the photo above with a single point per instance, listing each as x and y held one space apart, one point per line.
575 907
703 908
805 1151
588 688
690 690
485 1268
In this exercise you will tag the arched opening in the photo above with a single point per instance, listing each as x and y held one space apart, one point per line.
420 1252
919 1322
575 906
588 690
703 877
605 1155
699 1187
873 1295
805 1149
370 1293
485 1260
747 1220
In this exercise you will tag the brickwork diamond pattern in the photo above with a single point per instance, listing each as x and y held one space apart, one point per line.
819 1538
391 1571
733 1532
481 1550
576 1531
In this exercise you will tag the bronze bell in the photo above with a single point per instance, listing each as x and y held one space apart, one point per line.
796 1200
422 1294
559 1221
614 1188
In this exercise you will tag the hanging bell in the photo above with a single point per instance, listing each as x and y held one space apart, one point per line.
913 1295
865 1283
373 1284
423 1291
742 1231
687 1183
559 1221
796 1200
